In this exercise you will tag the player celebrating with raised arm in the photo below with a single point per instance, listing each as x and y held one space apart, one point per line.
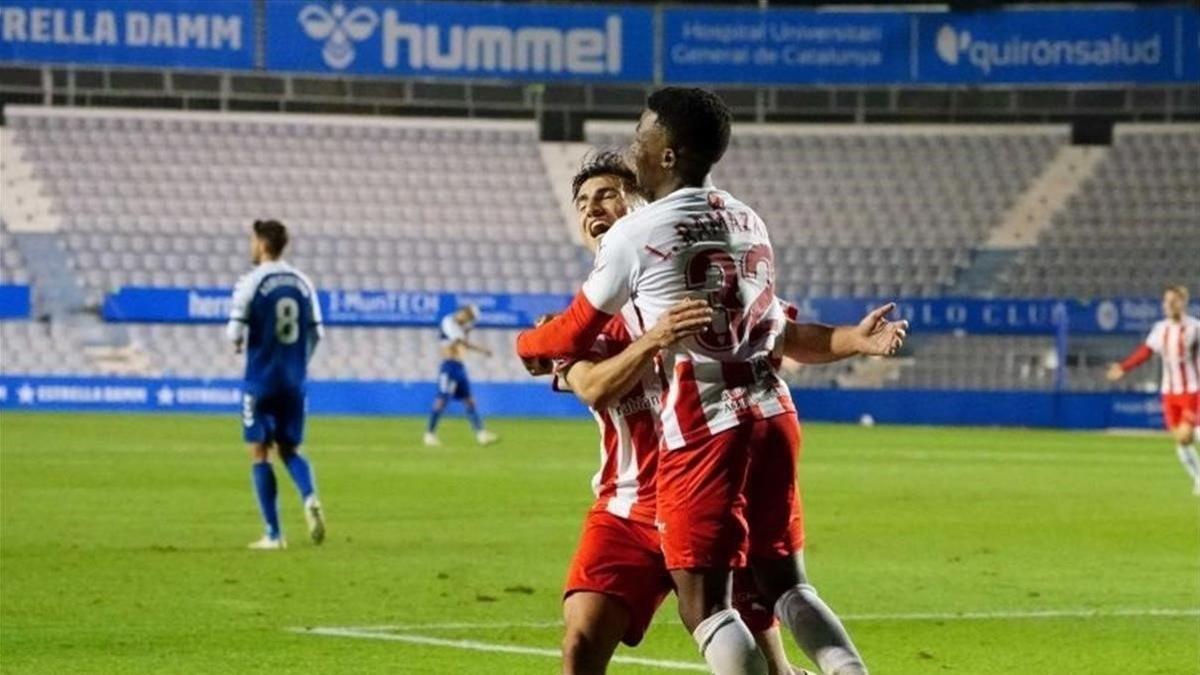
452 376
726 490
1176 339
276 319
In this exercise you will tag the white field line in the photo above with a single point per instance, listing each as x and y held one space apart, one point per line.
475 646
1068 613
1037 457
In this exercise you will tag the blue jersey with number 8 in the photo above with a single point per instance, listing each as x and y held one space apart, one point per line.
277 317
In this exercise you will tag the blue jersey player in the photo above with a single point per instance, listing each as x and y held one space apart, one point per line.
276 319
452 376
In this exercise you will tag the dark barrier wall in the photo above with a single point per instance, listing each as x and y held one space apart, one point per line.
588 42
534 399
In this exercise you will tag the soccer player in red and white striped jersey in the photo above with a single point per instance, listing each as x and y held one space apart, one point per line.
618 576
726 488
1176 340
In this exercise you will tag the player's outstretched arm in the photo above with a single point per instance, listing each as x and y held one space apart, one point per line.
567 335
600 384
479 349
572 333
1136 358
875 335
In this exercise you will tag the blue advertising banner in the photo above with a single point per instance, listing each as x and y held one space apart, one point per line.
325 397
1012 46
347 308
462 39
1189 51
782 46
210 34
535 399
1000 316
14 302
1022 46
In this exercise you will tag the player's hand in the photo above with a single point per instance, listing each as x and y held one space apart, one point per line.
879 337
687 318
1115 372
537 367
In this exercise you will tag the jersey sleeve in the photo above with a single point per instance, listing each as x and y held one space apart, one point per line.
790 311
452 329
611 282
318 319
1155 339
239 312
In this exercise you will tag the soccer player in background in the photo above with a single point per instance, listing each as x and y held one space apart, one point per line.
452 376
726 492
276 320
1176 340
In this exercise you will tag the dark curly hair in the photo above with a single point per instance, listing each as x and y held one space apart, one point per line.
697 123
608 162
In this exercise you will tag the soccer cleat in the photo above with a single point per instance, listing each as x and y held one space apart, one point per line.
431 439
315 517
1196 488
486 437
268 544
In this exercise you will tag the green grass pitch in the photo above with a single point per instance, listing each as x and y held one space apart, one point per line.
948 550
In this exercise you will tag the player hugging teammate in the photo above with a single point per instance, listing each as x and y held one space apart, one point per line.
680 312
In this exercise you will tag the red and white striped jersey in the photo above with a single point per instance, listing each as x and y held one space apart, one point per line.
1178 345
629 438
700 243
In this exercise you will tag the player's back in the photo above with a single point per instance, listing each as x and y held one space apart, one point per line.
703 242
283 317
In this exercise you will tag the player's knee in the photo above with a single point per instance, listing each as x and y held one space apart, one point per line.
285 450
582 653
1185 433
259 452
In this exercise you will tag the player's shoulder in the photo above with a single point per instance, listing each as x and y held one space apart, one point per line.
290 268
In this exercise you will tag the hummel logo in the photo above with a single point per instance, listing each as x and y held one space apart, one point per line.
339 29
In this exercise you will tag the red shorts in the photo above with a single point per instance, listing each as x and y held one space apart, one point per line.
732 496
623 559
1180 409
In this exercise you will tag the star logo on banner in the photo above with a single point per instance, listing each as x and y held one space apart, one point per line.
166 396
25 394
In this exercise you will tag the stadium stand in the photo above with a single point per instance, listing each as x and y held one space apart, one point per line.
162 199
12 265
154 199
1150 180
880 211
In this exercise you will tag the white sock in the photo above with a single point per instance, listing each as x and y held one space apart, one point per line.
818 631
1189 460
727 645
